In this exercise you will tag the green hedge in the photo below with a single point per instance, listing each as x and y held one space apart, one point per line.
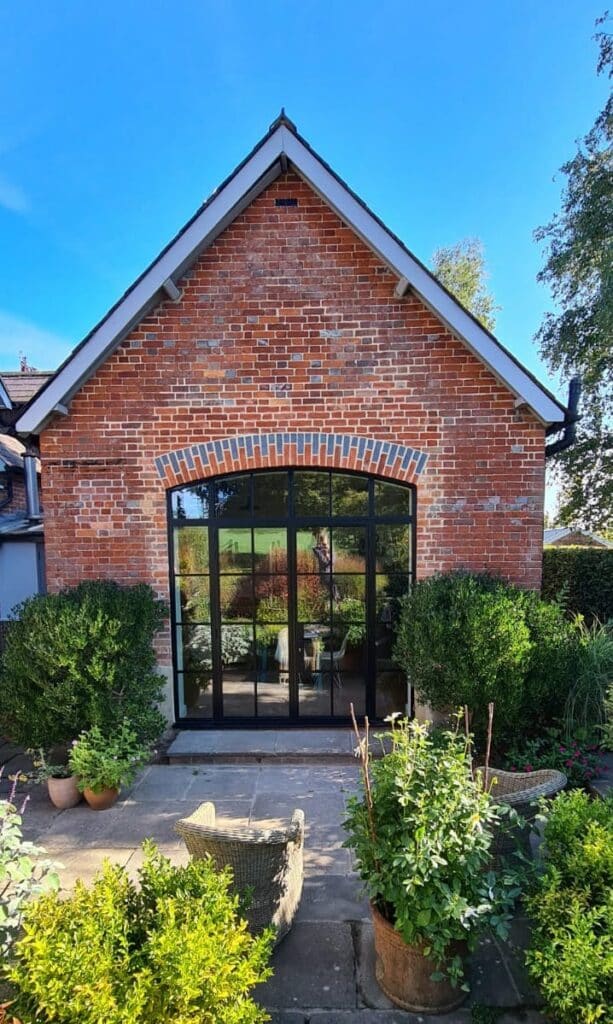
582 578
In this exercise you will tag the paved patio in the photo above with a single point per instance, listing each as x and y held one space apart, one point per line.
324 969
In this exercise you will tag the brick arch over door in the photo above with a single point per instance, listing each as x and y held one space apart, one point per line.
306 448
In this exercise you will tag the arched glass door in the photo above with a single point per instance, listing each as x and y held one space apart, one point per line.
286 588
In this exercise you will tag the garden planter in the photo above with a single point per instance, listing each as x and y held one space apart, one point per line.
103 800
63 793
403 972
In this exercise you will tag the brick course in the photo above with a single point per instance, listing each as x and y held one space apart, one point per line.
288 322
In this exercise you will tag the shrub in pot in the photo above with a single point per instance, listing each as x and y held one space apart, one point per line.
422 836
102 765
171 949
60 780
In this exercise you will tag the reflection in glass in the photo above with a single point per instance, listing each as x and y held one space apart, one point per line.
392 500
348 549
349 597
235 550
349 495
270 549
195 699
232 497
238 681
270 495
194 653
192 597
313 551
311 493
389 593
236 597
191 549
393 548
191 502
272 655
312 599
271 598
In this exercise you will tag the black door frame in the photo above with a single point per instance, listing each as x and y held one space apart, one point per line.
291 523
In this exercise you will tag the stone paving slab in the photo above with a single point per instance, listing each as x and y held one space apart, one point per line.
314 967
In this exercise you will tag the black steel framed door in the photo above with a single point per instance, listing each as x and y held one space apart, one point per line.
286 585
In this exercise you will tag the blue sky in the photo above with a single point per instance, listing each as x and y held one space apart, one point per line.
118 119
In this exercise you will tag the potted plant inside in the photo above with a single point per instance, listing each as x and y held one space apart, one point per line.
60 779
421 834
104 764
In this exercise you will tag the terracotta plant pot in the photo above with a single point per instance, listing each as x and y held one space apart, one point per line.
403 973
63 793
101 801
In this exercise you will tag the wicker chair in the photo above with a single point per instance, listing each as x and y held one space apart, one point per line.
265 862
520 790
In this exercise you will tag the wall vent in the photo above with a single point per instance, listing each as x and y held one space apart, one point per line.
286 202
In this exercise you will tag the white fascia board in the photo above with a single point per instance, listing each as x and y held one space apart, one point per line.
227 204
5 401
258 171
433 294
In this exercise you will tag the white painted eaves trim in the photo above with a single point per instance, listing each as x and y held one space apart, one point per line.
258 171
5 401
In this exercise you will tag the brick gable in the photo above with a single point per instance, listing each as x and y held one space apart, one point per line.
288 322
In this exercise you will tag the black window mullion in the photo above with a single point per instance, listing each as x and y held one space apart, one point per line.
215 622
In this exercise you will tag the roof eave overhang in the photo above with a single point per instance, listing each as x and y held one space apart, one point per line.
262 167
5 400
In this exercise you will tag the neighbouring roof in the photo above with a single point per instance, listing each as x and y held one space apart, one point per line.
22 386
18 525
558 533
281 147
5 400
12 452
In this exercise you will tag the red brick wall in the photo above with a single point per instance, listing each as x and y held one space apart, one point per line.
288 322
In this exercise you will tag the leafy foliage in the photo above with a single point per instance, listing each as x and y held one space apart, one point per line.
424 851
582 578
80 658
585 702
173 950
468 639
461 268
578 269
106 763
607 728
571 952
574 756
23 875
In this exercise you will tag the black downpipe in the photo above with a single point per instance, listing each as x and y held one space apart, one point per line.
570 422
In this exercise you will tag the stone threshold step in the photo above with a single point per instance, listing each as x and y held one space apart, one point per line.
260 757
280 746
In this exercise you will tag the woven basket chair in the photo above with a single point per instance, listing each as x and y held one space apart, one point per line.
520 790
265 862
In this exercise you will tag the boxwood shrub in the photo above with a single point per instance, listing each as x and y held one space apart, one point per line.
581 578
81 658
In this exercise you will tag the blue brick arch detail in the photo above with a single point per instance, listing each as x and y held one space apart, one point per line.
293 448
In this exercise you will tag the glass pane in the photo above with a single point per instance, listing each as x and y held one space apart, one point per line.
392 500
191 549
236 645
239 689
271 598
194 653
232 497
393 548
349 495
270 549
272 656
236 597
195 696
313 553
349 597
312 599
342 665
192 599
235 550
270 494
311 493
391 691
389 592
313 681
348 549
191 502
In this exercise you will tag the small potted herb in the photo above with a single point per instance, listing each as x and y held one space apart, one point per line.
104 764
61 782
422 835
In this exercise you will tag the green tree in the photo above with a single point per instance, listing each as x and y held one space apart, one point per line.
577 339
461 268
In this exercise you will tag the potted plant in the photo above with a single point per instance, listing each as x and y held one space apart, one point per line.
421 834
104 764
61 782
